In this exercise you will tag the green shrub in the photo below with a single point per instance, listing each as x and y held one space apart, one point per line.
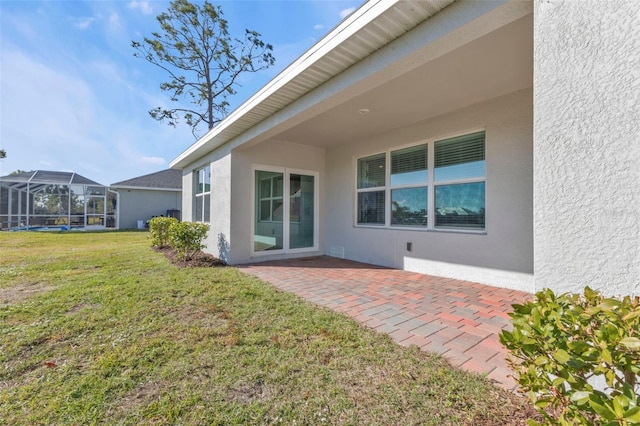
159 230
186 238
560 344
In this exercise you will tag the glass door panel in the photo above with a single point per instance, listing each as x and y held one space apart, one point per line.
268 225
301 211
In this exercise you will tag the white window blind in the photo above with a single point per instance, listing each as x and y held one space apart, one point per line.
462 157
409 165
371 171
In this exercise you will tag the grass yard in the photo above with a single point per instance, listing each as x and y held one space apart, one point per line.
100 328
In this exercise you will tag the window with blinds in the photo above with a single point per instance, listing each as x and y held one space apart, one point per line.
408 179
462 157
409 166
372 171
455 198
372 175
371 207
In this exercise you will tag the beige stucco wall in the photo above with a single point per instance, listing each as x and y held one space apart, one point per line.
587 145
503 256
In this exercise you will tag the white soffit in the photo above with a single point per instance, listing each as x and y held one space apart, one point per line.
371 27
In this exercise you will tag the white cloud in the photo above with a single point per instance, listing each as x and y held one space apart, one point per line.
346 12
83 23
152 160
144 6
318 27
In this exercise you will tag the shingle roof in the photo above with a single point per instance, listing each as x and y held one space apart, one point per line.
165 179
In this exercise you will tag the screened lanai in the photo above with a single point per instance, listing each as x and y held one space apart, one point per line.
49 200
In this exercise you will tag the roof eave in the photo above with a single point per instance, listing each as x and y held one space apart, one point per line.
355 22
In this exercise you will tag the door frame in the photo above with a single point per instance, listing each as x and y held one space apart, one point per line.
287 172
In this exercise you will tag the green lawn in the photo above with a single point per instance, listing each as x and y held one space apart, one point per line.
99 328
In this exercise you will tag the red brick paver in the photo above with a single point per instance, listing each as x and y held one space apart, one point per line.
457 319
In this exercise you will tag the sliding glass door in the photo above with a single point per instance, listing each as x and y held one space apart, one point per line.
285 217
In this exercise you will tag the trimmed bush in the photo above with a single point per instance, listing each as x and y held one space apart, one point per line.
561 346
186 238
159 230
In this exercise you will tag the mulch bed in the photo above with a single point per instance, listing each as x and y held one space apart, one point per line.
199 260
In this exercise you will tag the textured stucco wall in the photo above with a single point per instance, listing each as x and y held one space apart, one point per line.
587 145
217 240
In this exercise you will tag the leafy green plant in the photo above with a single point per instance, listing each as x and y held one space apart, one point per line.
186 238
561 346
159 230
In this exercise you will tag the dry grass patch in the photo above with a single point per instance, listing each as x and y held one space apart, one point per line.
21 292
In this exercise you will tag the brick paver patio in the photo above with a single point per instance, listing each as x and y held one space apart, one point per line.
457 319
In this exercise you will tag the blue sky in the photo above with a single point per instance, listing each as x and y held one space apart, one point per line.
73 97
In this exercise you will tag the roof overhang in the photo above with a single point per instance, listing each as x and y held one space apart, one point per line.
361 53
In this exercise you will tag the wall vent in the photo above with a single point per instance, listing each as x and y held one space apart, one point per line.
335 251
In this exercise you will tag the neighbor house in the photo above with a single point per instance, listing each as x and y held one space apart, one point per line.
489 141
143 197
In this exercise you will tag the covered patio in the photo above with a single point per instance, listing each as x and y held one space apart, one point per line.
459 320
54 200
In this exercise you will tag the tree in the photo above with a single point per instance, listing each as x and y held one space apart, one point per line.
3 153
203 61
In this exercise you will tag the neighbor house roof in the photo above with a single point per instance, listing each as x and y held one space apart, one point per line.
374 25
167 180
45 177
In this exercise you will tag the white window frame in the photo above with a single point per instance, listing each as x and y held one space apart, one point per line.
286 172
431 184
383 189
200 197
271 199
392 187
